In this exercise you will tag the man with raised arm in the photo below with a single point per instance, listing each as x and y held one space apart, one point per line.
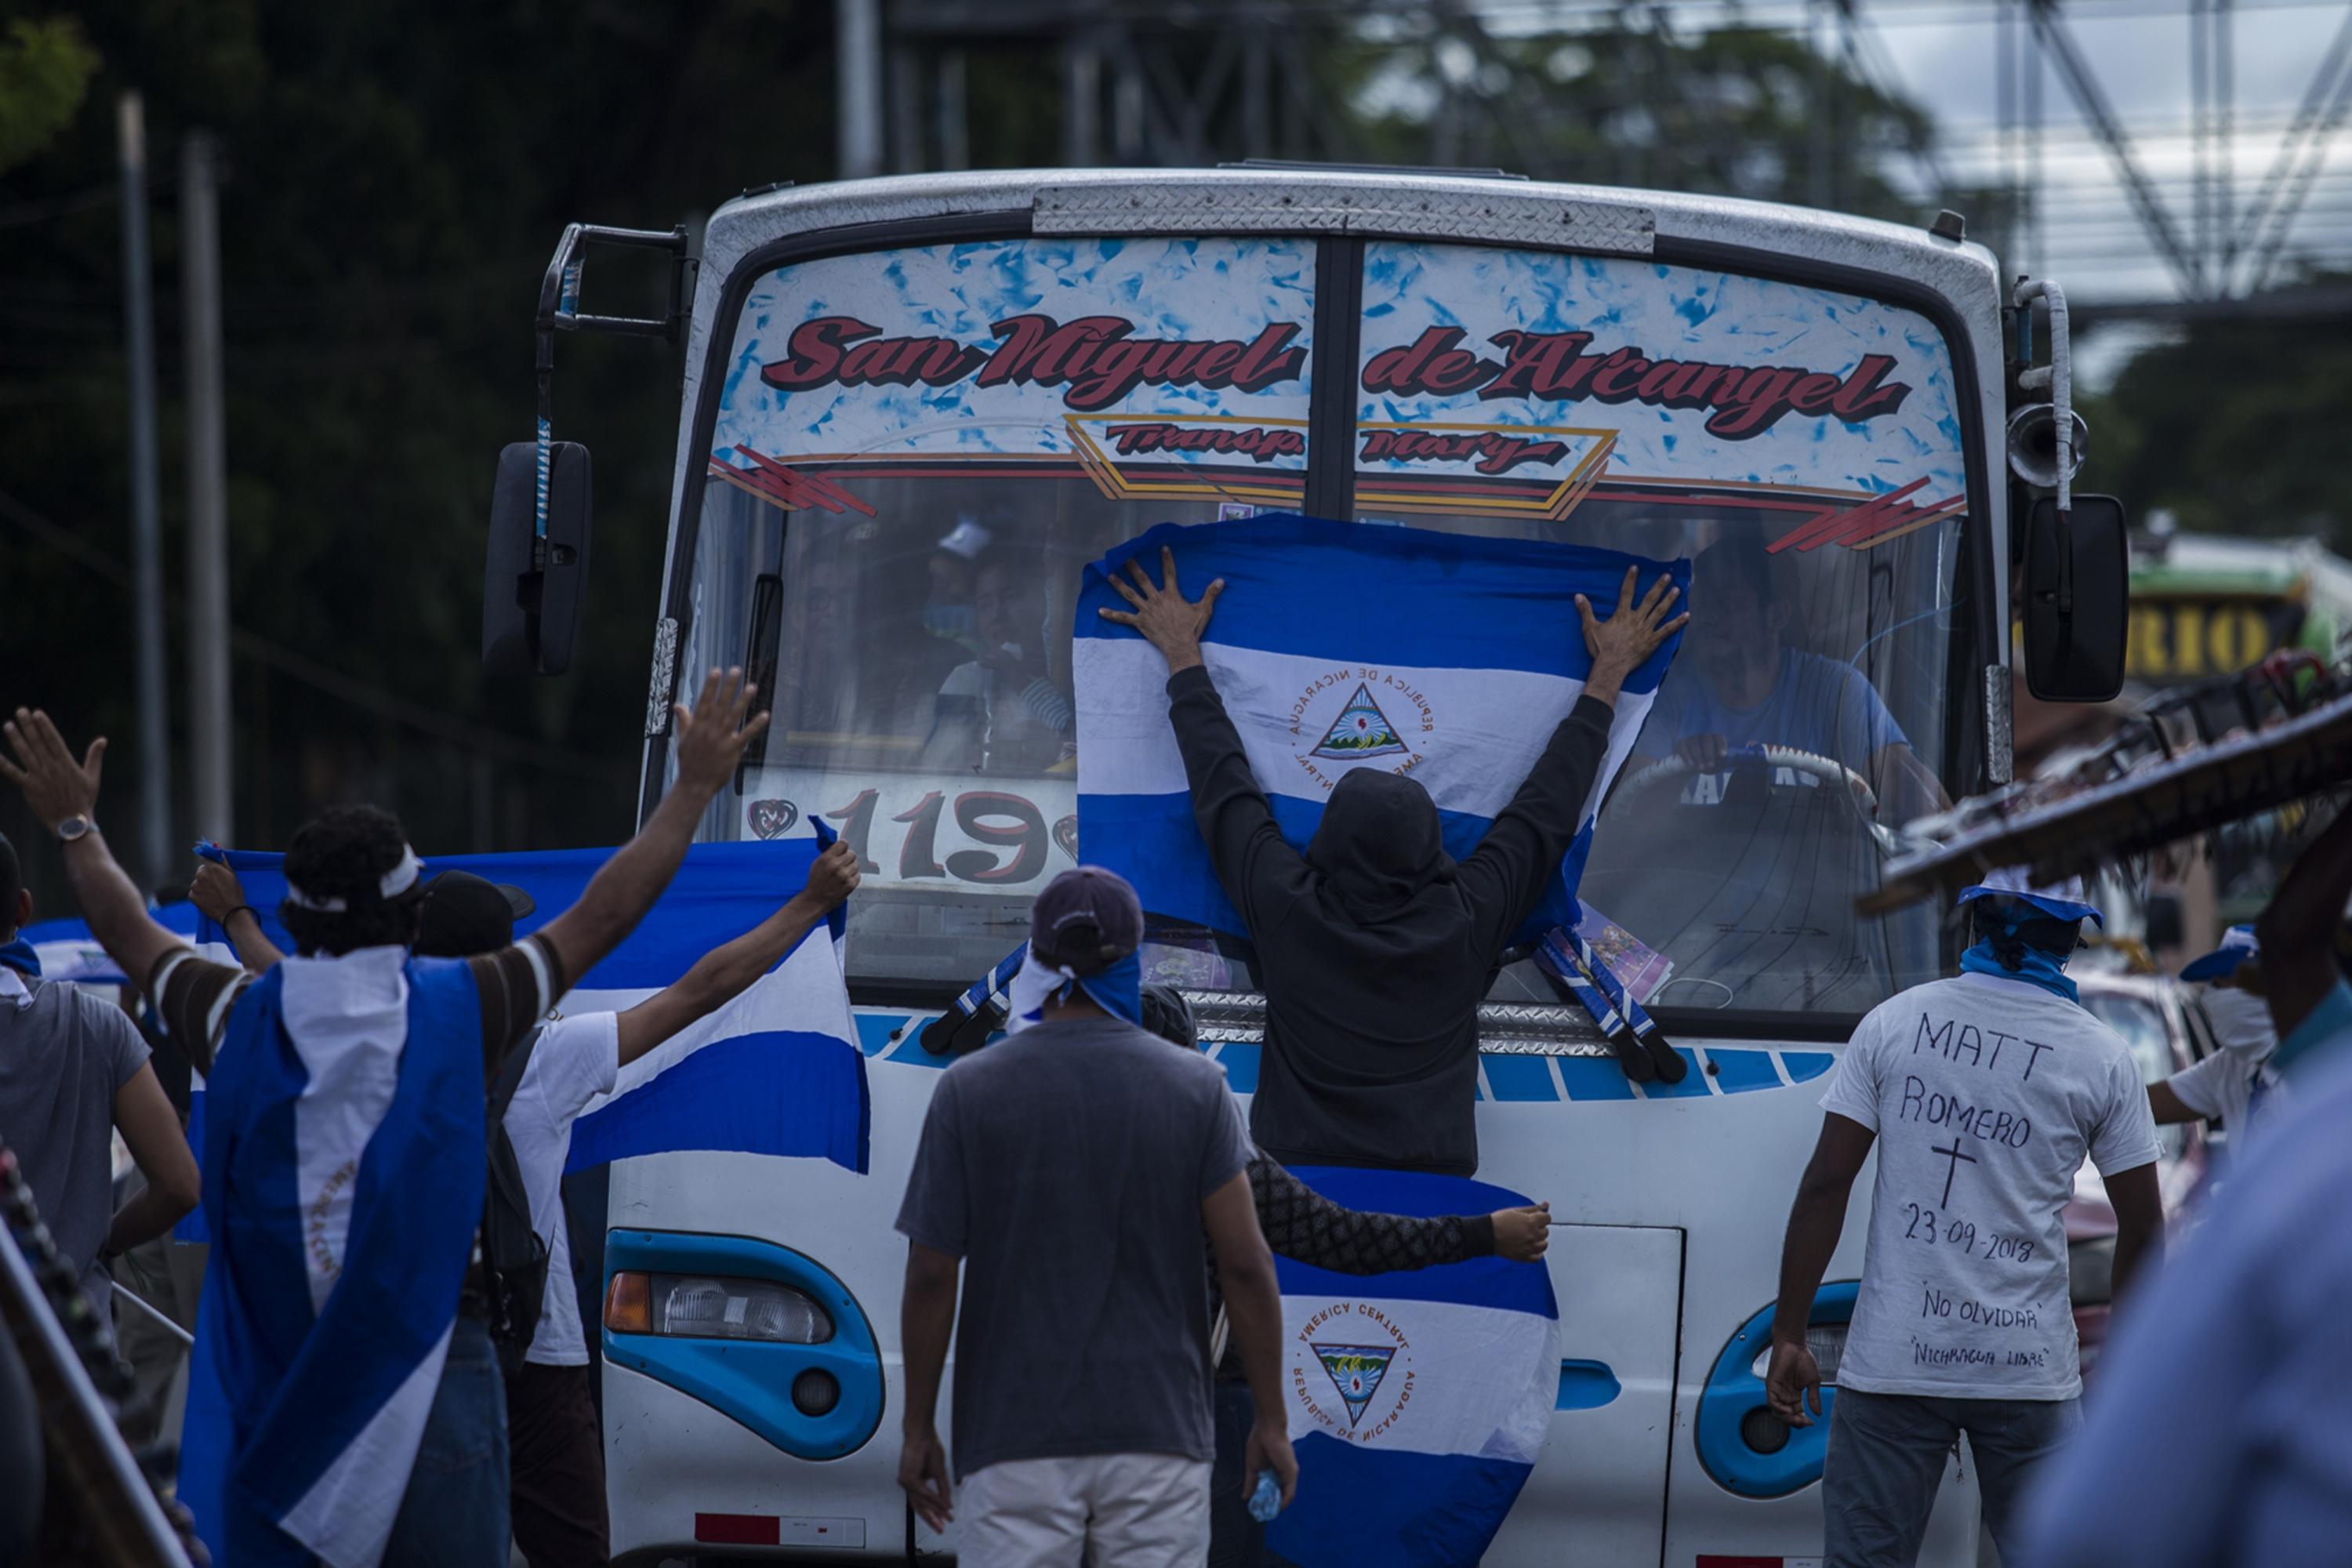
346 1402
555 1450
1374 946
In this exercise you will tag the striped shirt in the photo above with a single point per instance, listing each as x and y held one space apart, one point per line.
518 985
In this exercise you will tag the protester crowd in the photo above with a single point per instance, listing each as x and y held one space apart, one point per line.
1091 1226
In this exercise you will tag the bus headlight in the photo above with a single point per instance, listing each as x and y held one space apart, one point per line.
705 1305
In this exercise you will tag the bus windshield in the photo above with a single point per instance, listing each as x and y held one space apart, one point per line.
917 452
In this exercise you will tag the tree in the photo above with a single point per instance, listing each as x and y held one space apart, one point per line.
2237 426
44 71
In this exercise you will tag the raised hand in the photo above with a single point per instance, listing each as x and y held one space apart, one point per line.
710 737
833 877
215 891
1631 634
1169 621
57 788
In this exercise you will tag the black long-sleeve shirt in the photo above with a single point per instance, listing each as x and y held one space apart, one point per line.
1371 1029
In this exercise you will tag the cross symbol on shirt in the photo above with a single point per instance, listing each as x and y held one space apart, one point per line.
1952 1168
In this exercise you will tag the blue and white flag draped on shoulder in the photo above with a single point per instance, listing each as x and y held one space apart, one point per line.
343 1173
1417 1402
776 1071
1447 658
341 1240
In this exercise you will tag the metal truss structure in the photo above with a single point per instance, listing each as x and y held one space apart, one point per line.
1188 82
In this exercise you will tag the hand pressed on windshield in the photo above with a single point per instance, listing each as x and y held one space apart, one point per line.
1631 633
1169 621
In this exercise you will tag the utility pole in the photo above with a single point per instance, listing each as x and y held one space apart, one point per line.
209 739
146 505
857 86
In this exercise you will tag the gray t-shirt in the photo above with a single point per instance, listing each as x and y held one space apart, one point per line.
1065 1167
61 1060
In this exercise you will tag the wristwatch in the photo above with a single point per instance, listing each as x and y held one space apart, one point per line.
75 826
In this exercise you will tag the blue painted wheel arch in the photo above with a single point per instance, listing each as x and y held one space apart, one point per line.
1733 1390
747 1380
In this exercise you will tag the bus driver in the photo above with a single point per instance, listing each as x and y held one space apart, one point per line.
1739 684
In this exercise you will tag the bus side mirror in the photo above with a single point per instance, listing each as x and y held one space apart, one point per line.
532 595
2077 597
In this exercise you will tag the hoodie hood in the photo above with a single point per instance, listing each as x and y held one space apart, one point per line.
1379 843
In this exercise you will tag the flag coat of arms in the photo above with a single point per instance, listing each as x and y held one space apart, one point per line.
1417 1402
1446 658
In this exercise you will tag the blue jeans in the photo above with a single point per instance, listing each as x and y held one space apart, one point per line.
1886 1460
454 1513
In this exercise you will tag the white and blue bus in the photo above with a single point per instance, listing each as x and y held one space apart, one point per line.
913 409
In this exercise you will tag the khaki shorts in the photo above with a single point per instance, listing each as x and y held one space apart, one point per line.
1123 1510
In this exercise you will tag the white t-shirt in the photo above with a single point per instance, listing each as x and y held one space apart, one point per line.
1985 1094
575 1060
2244 1092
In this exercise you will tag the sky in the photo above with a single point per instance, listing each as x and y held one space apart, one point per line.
2142 63
1945 56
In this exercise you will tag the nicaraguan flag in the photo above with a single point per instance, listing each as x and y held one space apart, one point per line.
1336 646
343 1173
776 1071
1417 1402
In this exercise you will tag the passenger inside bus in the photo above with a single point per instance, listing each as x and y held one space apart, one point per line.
1002 712
1742 684
858 670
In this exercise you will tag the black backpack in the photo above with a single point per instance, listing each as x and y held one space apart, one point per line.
514 1255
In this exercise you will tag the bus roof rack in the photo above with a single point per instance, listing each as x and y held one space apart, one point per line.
1308 167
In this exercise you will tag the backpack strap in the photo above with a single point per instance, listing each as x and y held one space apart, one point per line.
514 1255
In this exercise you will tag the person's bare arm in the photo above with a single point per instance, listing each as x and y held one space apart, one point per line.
709 740
219 897
926 1312
143 1115
2297 930
724 972
2167 1107
57 789
2139 1203
1254 1307
1815 1221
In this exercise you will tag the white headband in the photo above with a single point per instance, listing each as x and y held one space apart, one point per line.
396 881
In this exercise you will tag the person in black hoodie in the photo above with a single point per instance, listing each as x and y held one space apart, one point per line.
1375 946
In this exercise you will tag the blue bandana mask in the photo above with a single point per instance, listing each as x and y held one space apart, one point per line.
2042 967
19 956
1118 990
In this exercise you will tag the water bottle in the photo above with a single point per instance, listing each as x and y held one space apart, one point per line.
1267 1500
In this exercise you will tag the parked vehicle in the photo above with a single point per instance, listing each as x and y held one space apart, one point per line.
2159 1019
